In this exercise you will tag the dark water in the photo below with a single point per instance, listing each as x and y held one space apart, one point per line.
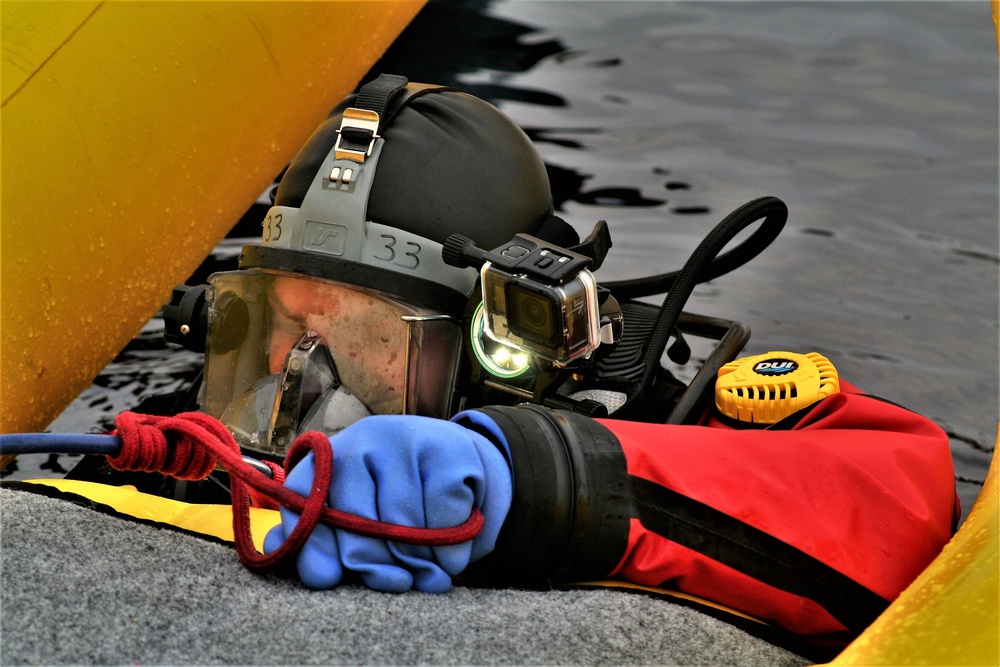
875 122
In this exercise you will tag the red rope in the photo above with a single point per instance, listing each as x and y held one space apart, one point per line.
189 445
262 500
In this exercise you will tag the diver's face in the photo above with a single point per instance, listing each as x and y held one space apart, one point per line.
366 337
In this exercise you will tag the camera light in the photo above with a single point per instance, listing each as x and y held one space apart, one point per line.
499 359
508 359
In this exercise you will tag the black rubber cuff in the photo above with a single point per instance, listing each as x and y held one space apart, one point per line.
569 518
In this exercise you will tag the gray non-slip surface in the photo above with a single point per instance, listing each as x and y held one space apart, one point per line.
82 587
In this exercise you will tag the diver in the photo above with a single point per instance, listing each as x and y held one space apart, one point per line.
490 372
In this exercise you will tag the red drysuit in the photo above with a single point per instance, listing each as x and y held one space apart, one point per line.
814 524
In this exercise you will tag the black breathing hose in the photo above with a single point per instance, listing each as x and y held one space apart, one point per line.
754 244
702 265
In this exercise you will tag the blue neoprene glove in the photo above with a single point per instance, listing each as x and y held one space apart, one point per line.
408 470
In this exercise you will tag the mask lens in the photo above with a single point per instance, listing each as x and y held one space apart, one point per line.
249 415
317 354
305 396
367 336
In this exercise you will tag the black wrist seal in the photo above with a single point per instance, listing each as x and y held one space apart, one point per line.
569 518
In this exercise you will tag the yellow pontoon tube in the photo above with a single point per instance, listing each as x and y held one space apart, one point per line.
134 135
950 615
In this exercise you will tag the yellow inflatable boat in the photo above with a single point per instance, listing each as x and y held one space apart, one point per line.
134 135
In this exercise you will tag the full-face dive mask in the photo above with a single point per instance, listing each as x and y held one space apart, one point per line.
346 307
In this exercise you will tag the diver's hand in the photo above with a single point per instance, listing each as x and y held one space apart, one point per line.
408 470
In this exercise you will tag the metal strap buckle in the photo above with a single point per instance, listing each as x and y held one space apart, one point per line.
356 119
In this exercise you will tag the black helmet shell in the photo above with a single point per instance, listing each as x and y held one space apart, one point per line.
451 163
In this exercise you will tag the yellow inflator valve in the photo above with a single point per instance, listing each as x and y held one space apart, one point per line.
768 387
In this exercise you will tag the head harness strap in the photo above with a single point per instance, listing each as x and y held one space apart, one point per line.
332 219
375 105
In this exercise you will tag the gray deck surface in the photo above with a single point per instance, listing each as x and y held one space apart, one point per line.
81 587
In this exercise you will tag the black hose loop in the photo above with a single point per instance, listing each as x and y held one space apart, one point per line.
703 264
752 246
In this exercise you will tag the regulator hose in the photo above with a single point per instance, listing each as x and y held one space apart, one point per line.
90 444
703 265
14 444
633 288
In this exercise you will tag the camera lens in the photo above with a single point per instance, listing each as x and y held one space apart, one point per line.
536 315
532 315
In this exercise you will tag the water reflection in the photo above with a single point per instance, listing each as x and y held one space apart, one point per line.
567 185
449 40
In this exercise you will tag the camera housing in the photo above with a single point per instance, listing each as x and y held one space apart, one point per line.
555 322
536 297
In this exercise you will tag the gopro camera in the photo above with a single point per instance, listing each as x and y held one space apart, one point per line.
537 297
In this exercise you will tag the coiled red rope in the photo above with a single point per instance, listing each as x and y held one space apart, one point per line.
190 445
